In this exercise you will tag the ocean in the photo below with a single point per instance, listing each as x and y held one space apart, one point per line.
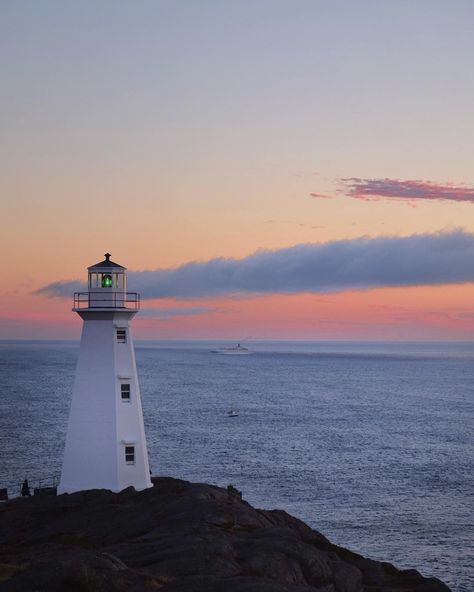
369 443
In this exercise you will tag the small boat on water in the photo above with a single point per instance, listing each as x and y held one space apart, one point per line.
232 413
236 350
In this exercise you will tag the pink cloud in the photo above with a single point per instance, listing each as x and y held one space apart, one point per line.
378 189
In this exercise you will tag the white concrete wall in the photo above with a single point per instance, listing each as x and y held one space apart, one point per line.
100 424
129 418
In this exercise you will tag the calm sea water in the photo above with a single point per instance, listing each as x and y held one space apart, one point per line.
369 443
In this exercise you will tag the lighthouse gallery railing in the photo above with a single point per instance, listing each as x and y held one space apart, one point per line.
129 300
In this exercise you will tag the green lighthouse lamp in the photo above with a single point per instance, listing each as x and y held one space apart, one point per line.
107 280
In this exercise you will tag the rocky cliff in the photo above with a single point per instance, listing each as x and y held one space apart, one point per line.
178 537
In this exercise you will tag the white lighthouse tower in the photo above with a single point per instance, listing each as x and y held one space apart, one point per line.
105 443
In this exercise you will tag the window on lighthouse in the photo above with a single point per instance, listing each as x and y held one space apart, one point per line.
130 455
121 336
125 392
106 280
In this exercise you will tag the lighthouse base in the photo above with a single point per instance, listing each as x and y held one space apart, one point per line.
65 489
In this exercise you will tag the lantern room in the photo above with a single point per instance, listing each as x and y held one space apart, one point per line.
107 275
107 288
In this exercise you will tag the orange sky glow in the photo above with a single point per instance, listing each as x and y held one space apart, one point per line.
145 132
416 313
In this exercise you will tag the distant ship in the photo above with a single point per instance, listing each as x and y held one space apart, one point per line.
236 350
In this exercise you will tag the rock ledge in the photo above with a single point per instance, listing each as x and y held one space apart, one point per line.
178 537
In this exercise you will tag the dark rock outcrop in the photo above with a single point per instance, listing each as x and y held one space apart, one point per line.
178 537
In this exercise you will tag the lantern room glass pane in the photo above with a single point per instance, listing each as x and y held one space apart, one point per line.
93 280
119 277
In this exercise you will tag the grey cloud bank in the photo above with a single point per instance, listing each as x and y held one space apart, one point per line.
361 263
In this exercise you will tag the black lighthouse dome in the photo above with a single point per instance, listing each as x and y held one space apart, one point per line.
106 263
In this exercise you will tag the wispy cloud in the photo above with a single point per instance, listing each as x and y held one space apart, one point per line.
320 195
169 313
294 223
466 315
425 259
62 289
377 189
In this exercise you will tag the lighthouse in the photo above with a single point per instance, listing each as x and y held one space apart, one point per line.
105 442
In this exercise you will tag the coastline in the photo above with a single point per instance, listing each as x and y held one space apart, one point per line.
178 536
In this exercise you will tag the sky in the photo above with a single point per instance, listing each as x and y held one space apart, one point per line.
265 169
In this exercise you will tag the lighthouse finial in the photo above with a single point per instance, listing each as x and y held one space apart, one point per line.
107 256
